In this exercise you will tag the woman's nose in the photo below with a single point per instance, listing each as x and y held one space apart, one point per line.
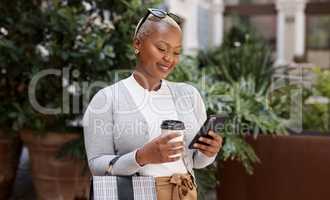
168 57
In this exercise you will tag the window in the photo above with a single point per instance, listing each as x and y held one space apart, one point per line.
318 32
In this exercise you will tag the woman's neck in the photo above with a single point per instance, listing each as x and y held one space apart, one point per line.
146 81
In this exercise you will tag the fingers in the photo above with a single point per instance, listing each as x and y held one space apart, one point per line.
171 155
175 145
167 138
207 153
169 150
174 155
173 159
175 151
211 146
217 137
163 150
210 142
208 148
215 141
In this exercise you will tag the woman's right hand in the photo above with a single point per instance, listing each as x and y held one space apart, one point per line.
159 150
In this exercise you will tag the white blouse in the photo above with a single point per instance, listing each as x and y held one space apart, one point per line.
155 106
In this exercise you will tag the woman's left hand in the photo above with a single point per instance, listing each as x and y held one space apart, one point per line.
213 145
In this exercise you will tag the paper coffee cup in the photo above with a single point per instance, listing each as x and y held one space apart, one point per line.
173 126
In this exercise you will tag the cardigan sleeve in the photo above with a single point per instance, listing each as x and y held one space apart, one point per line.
200 160
98 137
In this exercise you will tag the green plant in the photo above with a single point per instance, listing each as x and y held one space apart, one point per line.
234 79
88 46
83 47
316 108
19 34
243 55
248 112
68 40
322 84
124 15
316 117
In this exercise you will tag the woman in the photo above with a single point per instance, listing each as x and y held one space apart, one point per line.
124 118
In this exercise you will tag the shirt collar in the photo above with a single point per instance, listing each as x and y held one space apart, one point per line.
133 83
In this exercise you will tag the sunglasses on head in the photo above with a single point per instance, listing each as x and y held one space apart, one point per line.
157 13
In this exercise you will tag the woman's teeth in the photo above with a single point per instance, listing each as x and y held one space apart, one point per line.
164 67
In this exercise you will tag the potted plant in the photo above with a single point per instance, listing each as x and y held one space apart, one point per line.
77 53
246 110
235 79
73 42
246 66
16 56
10 144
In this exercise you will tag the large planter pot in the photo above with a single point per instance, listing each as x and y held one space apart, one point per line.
10 150
54 178
292 167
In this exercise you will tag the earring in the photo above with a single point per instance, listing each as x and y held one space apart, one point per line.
136 51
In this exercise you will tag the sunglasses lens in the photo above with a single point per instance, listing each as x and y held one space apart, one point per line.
158 13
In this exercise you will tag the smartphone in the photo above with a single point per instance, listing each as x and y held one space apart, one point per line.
213 122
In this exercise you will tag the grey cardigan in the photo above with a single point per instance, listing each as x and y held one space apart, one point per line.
114 126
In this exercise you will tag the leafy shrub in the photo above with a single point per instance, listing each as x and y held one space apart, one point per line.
243 55
248 112
316 108
19 34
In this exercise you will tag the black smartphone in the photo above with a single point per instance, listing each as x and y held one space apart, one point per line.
214 123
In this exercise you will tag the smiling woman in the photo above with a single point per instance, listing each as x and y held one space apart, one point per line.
124 131
157 45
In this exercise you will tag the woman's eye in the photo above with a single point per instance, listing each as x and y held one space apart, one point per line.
161 49
176 53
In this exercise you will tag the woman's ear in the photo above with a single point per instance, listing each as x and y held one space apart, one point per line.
137 45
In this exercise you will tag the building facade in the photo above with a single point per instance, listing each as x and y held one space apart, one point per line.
298 30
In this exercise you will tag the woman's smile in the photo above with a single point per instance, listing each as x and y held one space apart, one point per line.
164 68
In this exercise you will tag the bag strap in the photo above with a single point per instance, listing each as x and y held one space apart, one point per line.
125 187
91 192
111 163
173 90
124 183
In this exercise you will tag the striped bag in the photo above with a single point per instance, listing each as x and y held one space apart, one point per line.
110 187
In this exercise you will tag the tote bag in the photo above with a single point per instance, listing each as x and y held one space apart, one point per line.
111 187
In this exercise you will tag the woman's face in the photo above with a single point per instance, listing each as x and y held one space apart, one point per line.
159 51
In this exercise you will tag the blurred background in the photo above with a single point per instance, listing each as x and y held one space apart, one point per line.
263 63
